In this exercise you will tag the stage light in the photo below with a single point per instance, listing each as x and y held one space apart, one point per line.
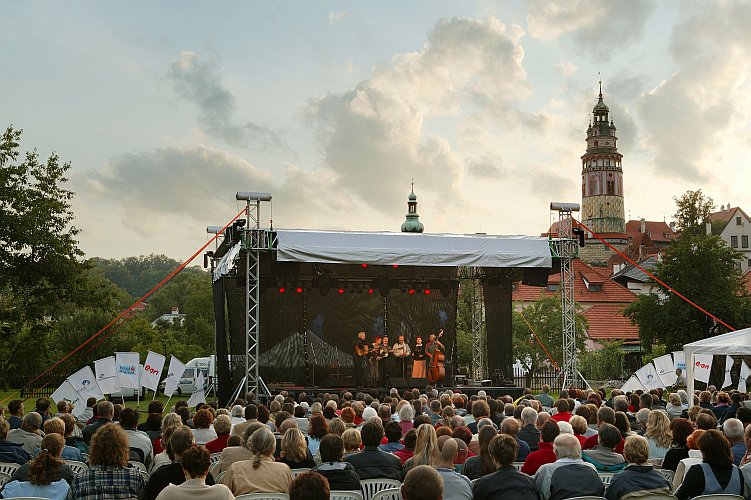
341 291
411 291
427 291
281 289
363 265
395 266
298 290
252 196
370 291
564 207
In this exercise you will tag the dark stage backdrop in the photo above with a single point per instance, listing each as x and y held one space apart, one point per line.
307 338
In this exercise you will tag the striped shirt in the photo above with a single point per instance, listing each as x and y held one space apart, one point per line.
101 482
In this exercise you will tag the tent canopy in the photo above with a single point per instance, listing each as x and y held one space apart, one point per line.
737 342
353 247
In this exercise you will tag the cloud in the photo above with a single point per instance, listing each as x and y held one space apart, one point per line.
337 16
199 82
566 68
688 114
597 27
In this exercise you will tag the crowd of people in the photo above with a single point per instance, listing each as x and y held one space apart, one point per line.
436 444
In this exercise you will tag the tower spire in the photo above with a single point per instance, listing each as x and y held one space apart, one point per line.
600 82
412 222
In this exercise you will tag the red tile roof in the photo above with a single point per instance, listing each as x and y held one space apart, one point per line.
606 322
658 231
747 281
611 291
726 215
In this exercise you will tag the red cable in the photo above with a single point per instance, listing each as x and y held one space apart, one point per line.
658 280
129 310
539 341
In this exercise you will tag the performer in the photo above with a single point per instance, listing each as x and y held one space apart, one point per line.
371 370
437 354
401 352
418 359
385 369
361 352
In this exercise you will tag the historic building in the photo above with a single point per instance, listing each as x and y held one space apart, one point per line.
412 223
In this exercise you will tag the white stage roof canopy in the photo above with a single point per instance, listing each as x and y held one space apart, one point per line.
409 249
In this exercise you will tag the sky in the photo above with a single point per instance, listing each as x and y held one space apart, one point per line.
166 109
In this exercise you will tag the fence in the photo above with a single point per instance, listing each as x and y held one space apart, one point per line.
44 386
544 375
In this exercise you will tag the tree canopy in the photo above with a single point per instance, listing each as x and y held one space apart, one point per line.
693 211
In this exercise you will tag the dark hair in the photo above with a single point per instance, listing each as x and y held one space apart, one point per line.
348 415
743 414
484 437
156 406
646 400
309 486
462 433
715 449
706 421
624 426
317 427
15 405
583 411
251 412
410 439
43 405
179 442
329 412
48 458
299 412
331 448
562 405
263 413
549 431
606 414
681 429
184 413
393 431
504 449
234 440
196 461
609 436
422 483
371 433
129 418
203 419
480 409
421 419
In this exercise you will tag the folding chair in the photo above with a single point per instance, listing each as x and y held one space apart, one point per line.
389 494
372 486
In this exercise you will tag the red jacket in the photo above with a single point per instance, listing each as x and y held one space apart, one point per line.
536 459
562 416
218 444
404 454
592 441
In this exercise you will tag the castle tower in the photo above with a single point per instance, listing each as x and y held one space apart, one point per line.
412 223
602 208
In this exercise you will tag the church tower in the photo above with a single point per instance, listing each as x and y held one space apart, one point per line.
412 223
602 208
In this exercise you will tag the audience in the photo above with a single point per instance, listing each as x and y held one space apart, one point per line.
482 464
422 482
658 434
372 463
11 452
222 427
29 435
506 481
425 447
639 478
681 430
545 454
529 433
309 486
340 475
259 474
716 474
105 413
455 485
195 464
294 451
554 480
602 456
733 429
203 427
47 476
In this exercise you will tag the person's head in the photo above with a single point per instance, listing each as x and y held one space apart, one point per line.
705 397
337 426
562 405
674 399
723 397
372 433
542 417
15 408
484 437
410 439
171 419
426 445
658 428
706 421
54 426
510 426
32 421
462 433
361 335
693 439
545 389
393 431
431 338
605 415
715 449
105 409
222 425
620 403
636 450
62 406
70 423
251 411
642 416
646 401
294 447
317 427
352 440
480 409
109 446
180 441
418 340
331 448
733 429
129 418
49 457
400 339
422 483
447 453
567 446
503 450
203 419
579 424
42 406
262 444
309 486
195 462
609 436
549 431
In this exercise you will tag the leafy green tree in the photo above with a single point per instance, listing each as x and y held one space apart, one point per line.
138 275
693 211
605 364
544 317
702 268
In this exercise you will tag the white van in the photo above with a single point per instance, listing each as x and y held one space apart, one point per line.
192 369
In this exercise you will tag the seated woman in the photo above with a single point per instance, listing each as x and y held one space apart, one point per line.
204 431
56 425
639 478
658 434
716 474
260 474
46 476
694 457
195 464
295 451
169 420
482 464
71 439
341 475
222 427
317 428
352 441
109 475
681 429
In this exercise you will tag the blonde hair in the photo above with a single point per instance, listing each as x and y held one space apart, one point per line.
337 426
579 424
48 458
658 429
425 446
352 440
636 450
54 425
262 443
293 444
171 419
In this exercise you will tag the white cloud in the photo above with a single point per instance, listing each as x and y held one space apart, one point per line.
337 16
566 68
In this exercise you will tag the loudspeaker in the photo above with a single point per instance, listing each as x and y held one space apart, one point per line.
419 383
398 382
535 277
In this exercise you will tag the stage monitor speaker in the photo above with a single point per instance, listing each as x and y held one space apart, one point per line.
419 383
399 382
535 277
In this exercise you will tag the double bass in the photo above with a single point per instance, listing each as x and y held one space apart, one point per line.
437 369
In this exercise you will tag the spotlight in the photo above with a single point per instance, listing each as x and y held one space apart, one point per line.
427 291
341 291
395 266
282 289
363 265
370 291
298 289
411 291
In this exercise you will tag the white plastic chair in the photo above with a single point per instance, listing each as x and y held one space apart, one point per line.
297 472
718 497
157 465
85 457
668 474
215 458
4 478
372 486
145 475
9 468
518 465
389 494
218 479
345 495
137 465
263 496
606 477
76 466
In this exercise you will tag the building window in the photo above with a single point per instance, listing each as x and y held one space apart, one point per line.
553 287
738 221
733 242
744 241
595 288
749 263
514 286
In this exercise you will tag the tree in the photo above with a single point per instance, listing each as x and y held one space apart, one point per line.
544 317
693 212
702 268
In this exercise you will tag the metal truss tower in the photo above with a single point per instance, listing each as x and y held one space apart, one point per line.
478 368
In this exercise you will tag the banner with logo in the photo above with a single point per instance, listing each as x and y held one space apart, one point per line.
198 395
68 393
174 374
702 367
679 361
745 372
106 375
84 382
665 369
152 370
128 371
729 361
647 375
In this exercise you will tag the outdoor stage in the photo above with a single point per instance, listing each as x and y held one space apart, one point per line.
494 392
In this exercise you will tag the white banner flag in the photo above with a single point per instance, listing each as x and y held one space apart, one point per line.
68 393
702 367
128 371
728 366
198 395
745 372
174 374
647 375
633 384
106 375
84 381
152 371
665 369
679 361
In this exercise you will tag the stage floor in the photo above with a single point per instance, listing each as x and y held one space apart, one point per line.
494 392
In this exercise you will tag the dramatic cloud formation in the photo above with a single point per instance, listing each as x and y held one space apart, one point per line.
199 82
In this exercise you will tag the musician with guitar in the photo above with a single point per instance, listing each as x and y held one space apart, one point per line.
361 352
375 354
436 352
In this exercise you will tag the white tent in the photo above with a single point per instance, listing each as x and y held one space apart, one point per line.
734 343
